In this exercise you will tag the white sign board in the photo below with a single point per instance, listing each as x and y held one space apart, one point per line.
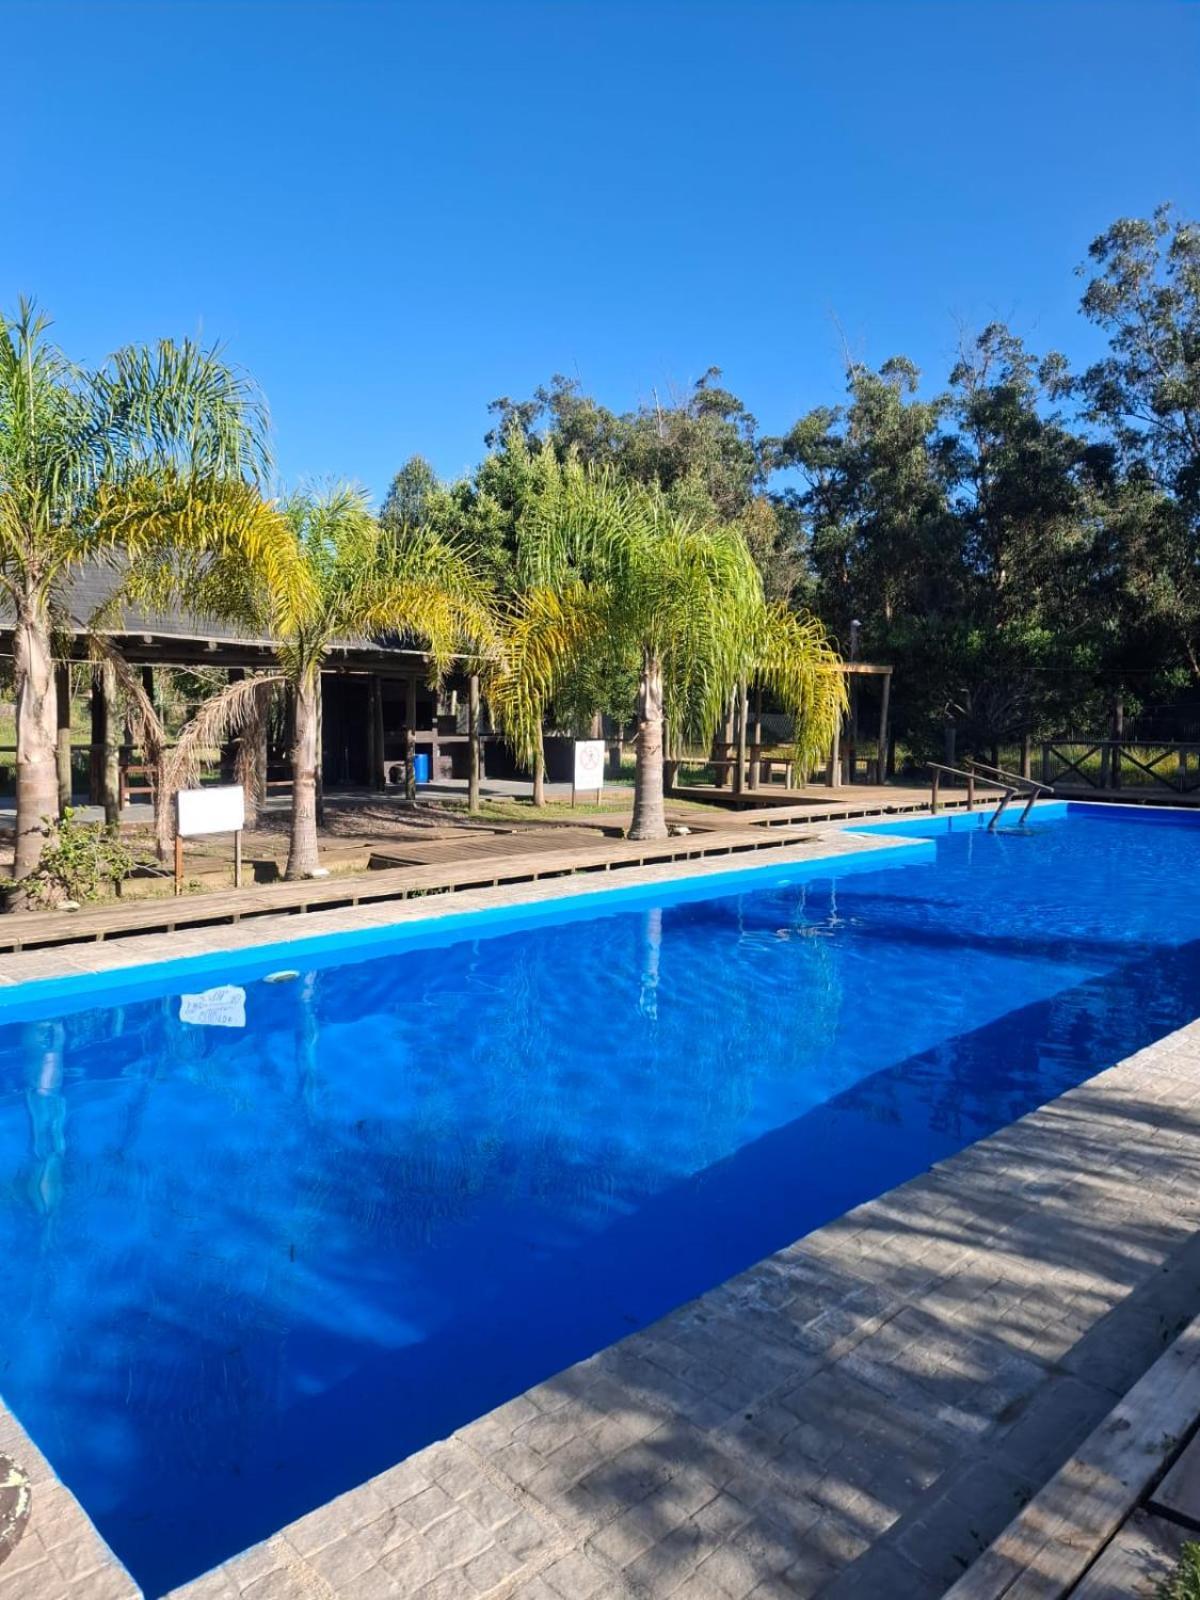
215 1008
589 764
215 810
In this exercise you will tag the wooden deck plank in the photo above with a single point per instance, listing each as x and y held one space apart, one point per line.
1134 1566
1048 1546
1178 1495
486 846
40 930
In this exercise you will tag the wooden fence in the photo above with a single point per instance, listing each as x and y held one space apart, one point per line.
1114 765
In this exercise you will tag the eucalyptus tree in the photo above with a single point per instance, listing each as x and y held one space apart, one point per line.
1144 293
616 581
351 579
104 464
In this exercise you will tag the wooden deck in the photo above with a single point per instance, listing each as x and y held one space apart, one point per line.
814 794
1084 1534
485 870
817 803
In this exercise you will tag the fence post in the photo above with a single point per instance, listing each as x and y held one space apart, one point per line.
933 791
1046 761
1118 736
970 790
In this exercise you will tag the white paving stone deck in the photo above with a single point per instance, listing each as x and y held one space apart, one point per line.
856 1416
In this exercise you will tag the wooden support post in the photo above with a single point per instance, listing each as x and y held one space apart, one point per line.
970 789
380 736
756 739
1026 756
473 763
1046 761
1118 735
96 750
933 790
743 718
410 739
237 858
111 770
724 777
884 706
178 860
320 772
229 750
375 752
62 690
832 775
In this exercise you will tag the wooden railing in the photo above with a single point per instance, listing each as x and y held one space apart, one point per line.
1107 764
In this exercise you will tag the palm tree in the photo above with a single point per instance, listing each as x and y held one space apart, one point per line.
106 464
617 581
352 580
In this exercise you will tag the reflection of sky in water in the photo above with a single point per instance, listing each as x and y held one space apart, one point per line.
244 1268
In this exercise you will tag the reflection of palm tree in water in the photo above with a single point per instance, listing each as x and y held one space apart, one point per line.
47 1112
308 1034
652 962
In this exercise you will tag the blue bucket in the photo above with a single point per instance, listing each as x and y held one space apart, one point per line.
421 768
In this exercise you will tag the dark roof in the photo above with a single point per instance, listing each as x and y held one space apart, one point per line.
91 587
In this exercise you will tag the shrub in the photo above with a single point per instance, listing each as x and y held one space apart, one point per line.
81 861
1184 1582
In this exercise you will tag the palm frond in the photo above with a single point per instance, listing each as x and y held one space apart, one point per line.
230 712
546 634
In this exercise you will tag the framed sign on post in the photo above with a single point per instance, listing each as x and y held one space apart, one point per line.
589 768
220 809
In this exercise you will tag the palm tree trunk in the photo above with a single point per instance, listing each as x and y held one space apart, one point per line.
303 859
37 737
649 816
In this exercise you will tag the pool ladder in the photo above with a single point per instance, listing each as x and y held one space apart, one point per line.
1011 784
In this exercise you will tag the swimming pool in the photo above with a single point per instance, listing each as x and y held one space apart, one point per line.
261 1240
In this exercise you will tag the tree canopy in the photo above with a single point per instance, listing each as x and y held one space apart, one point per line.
1020 540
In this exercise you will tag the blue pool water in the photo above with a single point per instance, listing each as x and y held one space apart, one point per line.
246 1266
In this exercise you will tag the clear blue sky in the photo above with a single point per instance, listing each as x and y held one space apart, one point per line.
394 212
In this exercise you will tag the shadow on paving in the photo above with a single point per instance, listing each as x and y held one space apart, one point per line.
857 1416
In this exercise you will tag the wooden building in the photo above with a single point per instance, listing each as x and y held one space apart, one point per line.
373 691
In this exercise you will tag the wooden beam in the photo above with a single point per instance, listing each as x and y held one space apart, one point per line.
474 753
62 689
884 705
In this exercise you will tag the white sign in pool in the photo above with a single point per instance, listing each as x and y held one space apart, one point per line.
589 765
215 1008
221 809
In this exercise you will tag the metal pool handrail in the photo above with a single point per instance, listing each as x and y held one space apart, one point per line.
1028 786
1012 777
1010 783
